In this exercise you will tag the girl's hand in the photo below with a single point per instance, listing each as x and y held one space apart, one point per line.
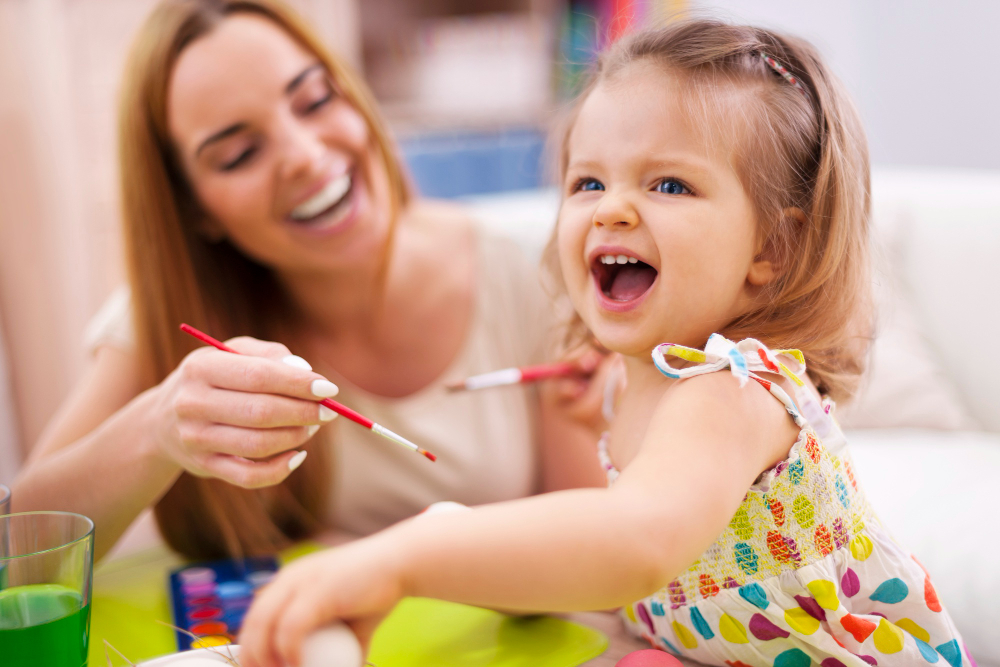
239 417
358 584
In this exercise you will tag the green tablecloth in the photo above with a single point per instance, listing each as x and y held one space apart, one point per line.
130 595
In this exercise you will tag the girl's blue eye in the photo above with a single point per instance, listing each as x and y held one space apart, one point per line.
670 186
589 185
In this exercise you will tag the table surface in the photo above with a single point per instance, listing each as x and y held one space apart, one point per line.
132 573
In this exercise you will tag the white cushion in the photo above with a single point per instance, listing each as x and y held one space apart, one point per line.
950 246
938 494
906 384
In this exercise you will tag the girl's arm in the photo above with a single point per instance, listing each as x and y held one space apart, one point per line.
109 453
570 550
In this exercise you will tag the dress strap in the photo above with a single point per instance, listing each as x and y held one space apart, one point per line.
744 360
602 454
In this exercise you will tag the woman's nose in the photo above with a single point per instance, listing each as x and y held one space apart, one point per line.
615 211
304 150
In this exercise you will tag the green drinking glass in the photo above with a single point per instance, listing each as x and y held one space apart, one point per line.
4 500
46 569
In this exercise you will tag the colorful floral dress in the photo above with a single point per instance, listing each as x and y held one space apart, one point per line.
805 574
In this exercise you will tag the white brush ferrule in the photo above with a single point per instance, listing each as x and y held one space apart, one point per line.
389 435
494 379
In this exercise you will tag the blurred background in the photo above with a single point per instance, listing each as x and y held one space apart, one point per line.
469 87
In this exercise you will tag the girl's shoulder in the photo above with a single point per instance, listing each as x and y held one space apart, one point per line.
720 403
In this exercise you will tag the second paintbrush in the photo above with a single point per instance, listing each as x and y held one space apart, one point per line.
509 376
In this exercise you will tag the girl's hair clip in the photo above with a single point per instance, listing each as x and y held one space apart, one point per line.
783 71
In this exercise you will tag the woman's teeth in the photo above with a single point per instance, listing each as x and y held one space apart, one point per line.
325 199
617 259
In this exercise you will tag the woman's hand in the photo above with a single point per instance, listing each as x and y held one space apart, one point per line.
582 397
358 584
573 418
239 417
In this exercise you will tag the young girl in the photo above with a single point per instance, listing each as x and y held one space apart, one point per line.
715 179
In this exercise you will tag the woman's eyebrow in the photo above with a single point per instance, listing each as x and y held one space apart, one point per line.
300 77
221 134
238 127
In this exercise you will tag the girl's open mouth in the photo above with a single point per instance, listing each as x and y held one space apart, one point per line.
621 278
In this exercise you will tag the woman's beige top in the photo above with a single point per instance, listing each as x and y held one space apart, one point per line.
486 441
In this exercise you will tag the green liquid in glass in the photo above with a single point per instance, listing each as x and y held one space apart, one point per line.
43 624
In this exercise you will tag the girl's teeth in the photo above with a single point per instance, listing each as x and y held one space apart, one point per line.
324 199
618 259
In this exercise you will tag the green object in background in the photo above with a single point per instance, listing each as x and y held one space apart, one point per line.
422 632
130 596
43 624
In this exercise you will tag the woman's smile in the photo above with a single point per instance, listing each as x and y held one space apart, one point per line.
332 209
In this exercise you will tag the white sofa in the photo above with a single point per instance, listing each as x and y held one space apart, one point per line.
926 426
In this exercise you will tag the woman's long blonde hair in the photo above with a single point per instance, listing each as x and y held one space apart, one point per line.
794 148
177 275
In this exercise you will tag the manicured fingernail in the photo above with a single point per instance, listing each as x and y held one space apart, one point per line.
297 460
297 362
324 388
312 430
326 414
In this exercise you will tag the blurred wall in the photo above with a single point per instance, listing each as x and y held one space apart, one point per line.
923 72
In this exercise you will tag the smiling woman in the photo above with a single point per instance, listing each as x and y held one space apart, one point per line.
262 196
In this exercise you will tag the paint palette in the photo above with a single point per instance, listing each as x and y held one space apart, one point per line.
211 599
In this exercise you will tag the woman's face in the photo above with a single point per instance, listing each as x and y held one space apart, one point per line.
284 165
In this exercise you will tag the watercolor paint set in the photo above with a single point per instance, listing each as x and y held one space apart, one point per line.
210 599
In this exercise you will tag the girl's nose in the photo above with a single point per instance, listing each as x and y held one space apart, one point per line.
616 212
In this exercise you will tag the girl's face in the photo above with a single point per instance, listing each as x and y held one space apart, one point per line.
643 186
283 164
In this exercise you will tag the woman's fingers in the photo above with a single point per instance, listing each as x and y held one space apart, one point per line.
279 372
251 410
250 474
250 443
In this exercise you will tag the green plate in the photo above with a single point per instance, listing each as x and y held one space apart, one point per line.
422 632
130 596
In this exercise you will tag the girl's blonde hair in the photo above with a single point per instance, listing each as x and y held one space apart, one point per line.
178 275
802 157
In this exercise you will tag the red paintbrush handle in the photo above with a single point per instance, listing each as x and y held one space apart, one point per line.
339 408
345 411
205 338
543 371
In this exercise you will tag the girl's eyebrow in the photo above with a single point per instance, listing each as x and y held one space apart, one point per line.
239 127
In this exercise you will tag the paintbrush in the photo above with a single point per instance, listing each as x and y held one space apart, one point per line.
509 376
339 408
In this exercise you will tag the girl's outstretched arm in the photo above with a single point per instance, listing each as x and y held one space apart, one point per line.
570 550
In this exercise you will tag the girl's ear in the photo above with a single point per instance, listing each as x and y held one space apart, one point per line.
767 265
